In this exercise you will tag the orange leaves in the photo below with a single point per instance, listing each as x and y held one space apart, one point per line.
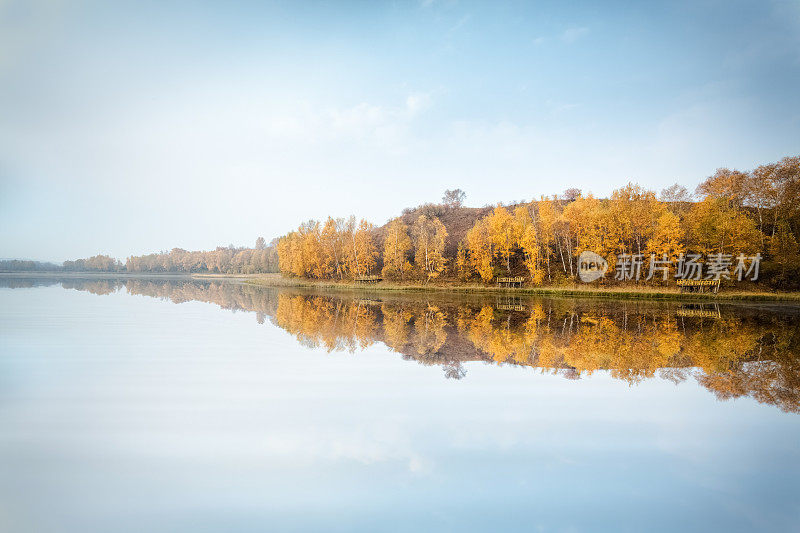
429 236
396 247
336 250
481 249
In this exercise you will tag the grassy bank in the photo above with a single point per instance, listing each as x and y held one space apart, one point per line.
647 293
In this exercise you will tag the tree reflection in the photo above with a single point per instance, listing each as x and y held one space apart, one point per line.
732 351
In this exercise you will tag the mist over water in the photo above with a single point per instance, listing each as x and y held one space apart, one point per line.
251 409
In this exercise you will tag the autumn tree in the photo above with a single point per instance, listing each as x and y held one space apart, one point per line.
526 233
666 240
99 263
784 249
786 181
362 253
453 198
587 224
334 245
503 232
677 198
762 193
481 249
633 212
396 247
544 222
429 235
714 226
730 185
462 262
675 193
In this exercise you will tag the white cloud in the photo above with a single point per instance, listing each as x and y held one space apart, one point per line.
417 102
573 33
365 121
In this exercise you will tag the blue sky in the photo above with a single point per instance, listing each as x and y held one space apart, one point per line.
132 128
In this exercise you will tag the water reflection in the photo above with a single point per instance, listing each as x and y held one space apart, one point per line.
733 350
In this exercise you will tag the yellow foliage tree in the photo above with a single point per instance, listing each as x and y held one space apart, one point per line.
666 240
429 236
462 262
364 255
396 247
481 249
528 241
503 233
714 226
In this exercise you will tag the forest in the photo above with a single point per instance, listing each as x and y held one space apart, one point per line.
733 213
223 260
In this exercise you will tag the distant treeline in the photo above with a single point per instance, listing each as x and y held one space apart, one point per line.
730 213
21 265
223 260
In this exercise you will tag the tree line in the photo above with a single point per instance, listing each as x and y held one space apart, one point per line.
24 265
731 212
222 260
230 259
346 249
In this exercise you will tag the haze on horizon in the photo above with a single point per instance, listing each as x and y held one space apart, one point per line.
133 128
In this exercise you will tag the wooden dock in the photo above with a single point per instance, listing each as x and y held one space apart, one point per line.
510 282
699 285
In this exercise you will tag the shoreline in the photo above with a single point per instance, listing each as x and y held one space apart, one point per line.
277 280
640 293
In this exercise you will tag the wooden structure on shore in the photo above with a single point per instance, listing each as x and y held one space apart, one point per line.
510 282
368 279
699 285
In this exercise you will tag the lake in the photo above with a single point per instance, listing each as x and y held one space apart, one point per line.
155 404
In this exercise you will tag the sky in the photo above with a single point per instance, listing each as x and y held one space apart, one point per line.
129 128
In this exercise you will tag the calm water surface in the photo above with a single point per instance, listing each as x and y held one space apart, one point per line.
251 409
